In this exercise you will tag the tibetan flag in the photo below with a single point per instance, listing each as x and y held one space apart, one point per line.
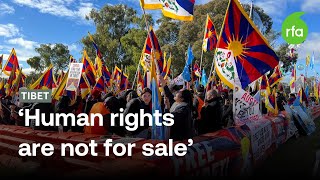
12 61
88 69
243 54
106 74
156 50
60 89
166 67
16 83
123 82
45 81
275 77
196 70
98 53
175 9
210 37
98 67
145 59
140 83
264 83
293 80
10 80
60 77
271 101
84 87
100 85
1 60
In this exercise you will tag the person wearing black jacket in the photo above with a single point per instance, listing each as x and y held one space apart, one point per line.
183 127
211 113
134 106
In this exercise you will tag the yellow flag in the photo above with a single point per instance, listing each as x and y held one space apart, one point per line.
307 60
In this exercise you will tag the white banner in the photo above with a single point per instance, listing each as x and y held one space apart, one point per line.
261 139
178 80
74 76
245 107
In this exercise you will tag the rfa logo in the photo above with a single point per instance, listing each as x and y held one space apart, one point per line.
294 30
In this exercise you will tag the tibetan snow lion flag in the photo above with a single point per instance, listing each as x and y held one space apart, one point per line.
210 37
243 54
175 9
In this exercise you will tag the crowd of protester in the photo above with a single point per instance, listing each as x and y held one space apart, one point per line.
195 112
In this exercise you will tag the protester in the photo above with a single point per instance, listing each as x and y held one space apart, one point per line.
183 127
211 113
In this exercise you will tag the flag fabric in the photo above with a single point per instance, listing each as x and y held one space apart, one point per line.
145 59
316 91
264 83
204 79
59 91
140 83
45 81
243 54
186 74
303 96
157 50
271 101
1 60
88 69
12 61
307 60
84 87
16 83
100 85
98 66
196 70
275 77
98 53
312 62
175 9
157 132
210 37
72 60
293 80
10 80
123 82
60 77
2 89
106 74
166 67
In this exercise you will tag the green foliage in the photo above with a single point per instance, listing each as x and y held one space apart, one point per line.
57 54
288 62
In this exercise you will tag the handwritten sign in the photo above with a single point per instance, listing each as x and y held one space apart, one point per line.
261 139
245 107
74 76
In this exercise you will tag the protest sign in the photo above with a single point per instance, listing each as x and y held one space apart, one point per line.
245 107
261 138
74 76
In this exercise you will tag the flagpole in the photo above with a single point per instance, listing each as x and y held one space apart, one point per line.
204 34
